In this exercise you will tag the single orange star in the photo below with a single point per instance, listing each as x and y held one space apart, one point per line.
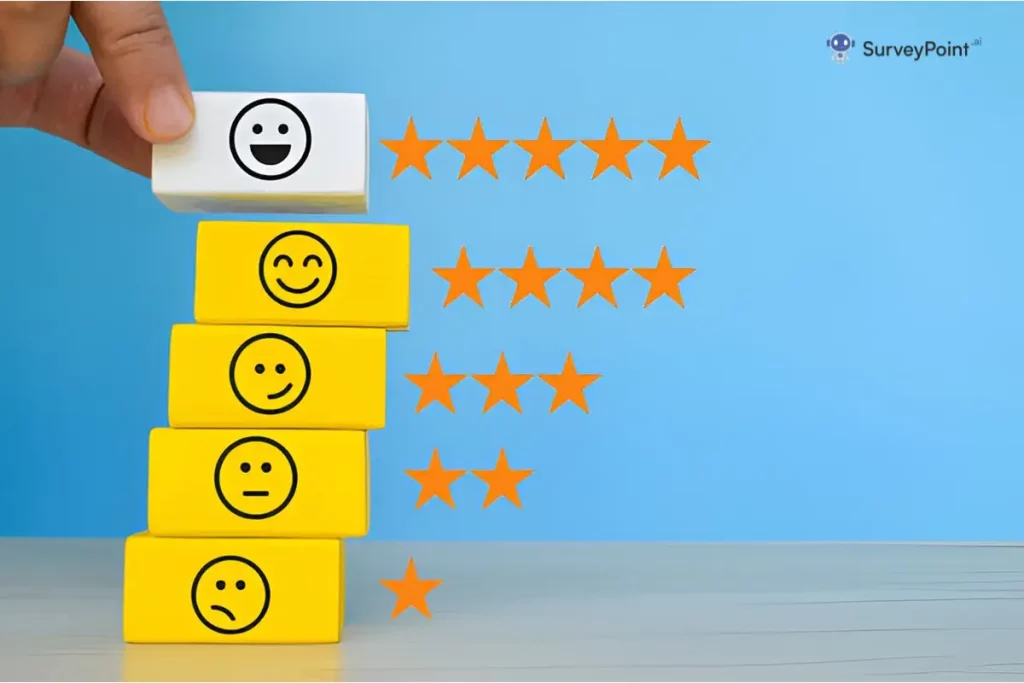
597 279
612 151
478 151
435 481
569 386
502 386
412 152
463 279
545 151
530 279
679 151
502 481
411 591
435 385
664 279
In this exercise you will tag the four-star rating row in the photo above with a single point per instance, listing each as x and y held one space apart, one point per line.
545 151
503 385
531 279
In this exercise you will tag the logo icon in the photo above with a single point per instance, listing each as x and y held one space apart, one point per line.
840 43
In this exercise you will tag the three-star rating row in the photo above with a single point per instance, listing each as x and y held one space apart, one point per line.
531 279
503 385
545 151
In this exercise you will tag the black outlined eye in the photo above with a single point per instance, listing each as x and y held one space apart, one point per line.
313 257
257 129
282 129
283 257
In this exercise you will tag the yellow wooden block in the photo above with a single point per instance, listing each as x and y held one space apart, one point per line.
302 483
239 663
213 590
225 376
345 274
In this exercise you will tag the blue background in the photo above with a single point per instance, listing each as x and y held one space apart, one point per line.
848 365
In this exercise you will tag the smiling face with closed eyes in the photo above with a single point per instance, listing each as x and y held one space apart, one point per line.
298 269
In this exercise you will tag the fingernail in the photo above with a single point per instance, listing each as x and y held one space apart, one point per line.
167 115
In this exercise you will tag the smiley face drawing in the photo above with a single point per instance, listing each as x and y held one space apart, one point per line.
255 477
298 269
270 373
230 595
270 139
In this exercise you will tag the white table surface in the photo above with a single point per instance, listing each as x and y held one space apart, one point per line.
565 611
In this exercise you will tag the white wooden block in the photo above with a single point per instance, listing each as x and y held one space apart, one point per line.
269 153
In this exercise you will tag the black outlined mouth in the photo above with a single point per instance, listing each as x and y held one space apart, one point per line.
225 610
301 290
256 494
281 393
270 155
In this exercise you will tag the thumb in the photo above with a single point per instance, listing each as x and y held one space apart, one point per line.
135 53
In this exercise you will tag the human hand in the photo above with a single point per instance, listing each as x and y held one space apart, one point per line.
129 94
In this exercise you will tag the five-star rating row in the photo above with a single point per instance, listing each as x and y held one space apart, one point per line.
545 151
436 481
503 385
531 279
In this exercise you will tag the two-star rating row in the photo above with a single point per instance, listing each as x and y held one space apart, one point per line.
436 481
503 385
531 279
545 151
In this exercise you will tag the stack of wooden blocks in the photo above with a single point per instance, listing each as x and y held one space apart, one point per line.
264 467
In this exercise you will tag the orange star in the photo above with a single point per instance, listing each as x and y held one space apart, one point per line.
502 481
478 151
597 279
411 591
569 386
435 385
463 279
545 151
530 279
502 386
412 152
435 481
612 151
664 279
679 151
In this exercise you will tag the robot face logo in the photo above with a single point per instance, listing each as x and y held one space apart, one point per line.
840 44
